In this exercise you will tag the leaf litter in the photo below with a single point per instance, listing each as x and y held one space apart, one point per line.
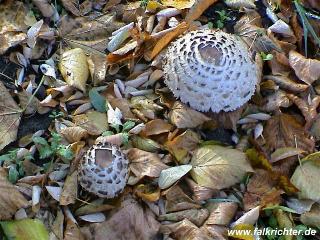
96 69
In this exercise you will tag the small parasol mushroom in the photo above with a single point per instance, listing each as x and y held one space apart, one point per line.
104 170
210 70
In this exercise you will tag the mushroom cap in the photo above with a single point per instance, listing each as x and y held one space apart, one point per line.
104 170
210 70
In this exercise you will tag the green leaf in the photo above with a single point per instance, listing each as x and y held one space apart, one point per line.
285 209
65 153
13 175
25 229
40 140
127 126
45 151
97 101
107 133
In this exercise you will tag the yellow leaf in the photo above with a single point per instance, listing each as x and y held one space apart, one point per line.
153 5
247 228
179 4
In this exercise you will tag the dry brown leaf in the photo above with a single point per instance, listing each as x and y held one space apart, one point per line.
221 213
147 192
165 40
10 198
74 134
284 130
309 111
229 120
44 6
287 83
72 231
155 127
197 9
10 115
307 70
70 190
185 230
184 117
311 218
72 6
130 221
196 216
182 145
261 191
144 163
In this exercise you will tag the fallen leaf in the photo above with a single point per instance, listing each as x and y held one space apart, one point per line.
44 6
287 83
144 163
221 213
72 231
93 207
311 218
156 127
261 191
10 198
184 117
305 178
70 190
165 40
54 192
179 4
182 145
284 130
93 217
148 192
10 115
285 222
196 216
307 70
282 153
74 134
94 122
25 229
240 3
74 68
219 167
247 228
170 175
197 9
145 144
129 221
177 200
249 217
97 101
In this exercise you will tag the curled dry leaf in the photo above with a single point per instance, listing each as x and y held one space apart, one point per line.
94 217
10 198
196 216
144 163
287 83
74 134
44 6
240 3
282 153
148 192
74 68
184 117
129 221
70 190
93 207
72 232
307 70
249 217
219 167
10 115
221 213
197 9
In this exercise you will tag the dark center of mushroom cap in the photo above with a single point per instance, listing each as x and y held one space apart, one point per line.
103 157
210 54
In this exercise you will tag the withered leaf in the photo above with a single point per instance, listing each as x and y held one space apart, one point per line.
197 9
72 232
144 163
307 70
218 167
10 198
70 190
184 117
10 115
129 221
284 130
155 127
221 213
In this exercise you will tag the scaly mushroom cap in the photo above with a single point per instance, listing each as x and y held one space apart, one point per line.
210 70
104 170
